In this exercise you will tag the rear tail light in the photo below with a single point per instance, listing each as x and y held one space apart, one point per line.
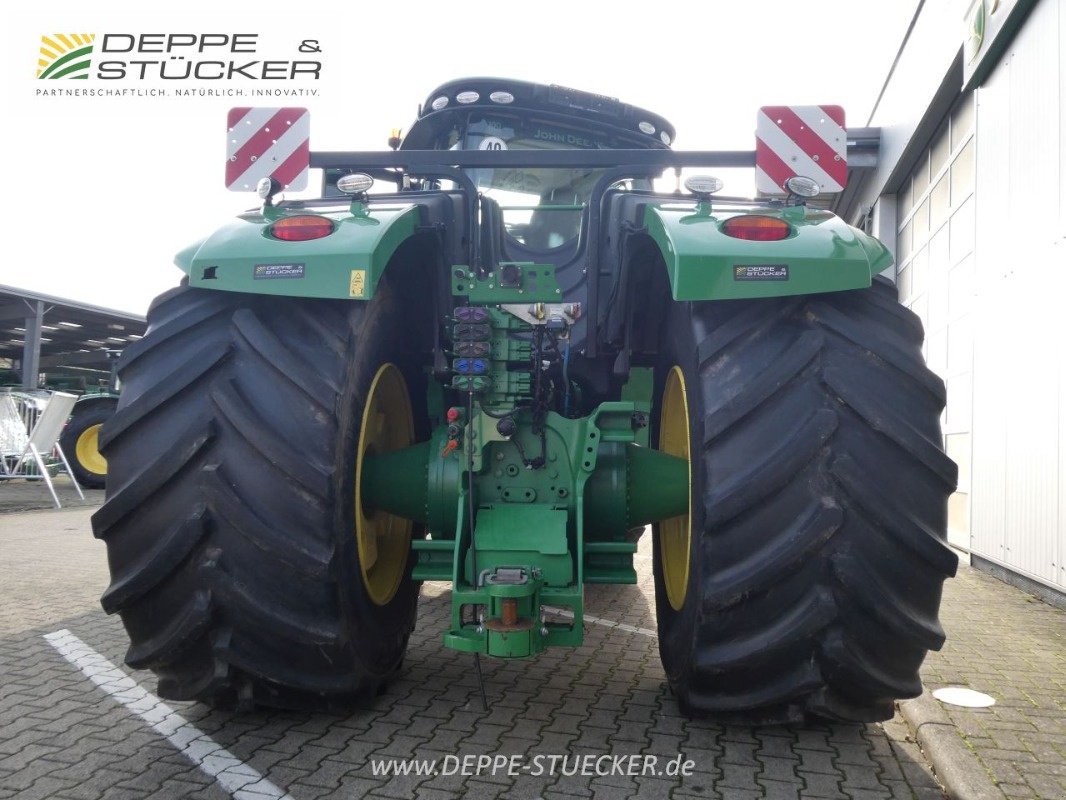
757 228
301 229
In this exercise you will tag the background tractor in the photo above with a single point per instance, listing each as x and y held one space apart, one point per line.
80 438
496 372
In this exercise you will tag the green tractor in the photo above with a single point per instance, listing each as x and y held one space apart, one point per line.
80 437
498 374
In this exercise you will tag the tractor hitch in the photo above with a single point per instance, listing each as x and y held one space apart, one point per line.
540 533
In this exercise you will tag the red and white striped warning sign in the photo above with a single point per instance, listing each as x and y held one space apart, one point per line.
800 140
267 142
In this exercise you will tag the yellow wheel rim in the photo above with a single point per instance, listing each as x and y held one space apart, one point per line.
87 450
675 535
384 540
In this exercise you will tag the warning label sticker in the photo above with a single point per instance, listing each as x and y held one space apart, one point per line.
270 271
760 272
357 284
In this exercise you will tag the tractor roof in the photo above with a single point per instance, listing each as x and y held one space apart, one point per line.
454 99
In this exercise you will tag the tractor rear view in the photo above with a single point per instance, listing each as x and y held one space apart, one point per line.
494 373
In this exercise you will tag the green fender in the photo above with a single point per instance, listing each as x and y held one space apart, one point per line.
243 257
822 254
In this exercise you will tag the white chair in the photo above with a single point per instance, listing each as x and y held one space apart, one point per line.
42 441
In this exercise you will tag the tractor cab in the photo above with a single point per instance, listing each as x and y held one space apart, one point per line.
533 213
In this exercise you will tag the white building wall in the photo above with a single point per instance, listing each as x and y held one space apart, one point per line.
1019 366
930 49
980 229
935 256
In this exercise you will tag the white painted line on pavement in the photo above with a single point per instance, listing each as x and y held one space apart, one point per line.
232 774
610 623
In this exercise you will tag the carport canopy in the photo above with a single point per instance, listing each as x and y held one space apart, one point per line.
42 334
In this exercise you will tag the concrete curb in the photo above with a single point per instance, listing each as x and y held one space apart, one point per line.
954 763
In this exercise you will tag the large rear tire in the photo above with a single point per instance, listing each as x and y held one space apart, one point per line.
230 518
806 579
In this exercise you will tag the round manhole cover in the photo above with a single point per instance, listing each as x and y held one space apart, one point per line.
961 696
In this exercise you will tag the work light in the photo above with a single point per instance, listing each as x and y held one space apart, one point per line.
803 187
356 183
703 184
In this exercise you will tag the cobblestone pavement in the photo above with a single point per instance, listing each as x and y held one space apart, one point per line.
62 737
1010 645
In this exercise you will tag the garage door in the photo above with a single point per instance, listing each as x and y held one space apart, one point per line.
935 248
